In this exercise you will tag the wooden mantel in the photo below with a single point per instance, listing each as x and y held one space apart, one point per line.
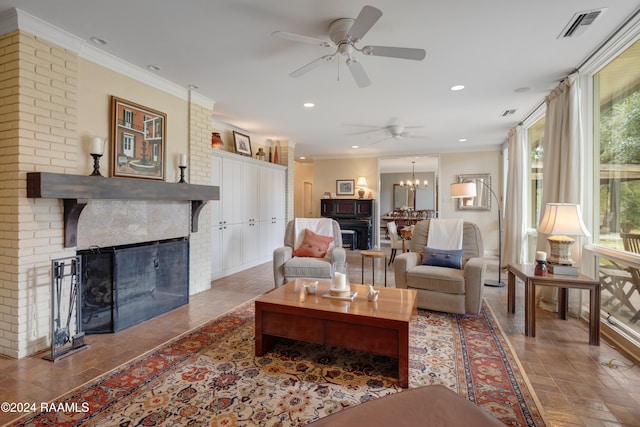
77 190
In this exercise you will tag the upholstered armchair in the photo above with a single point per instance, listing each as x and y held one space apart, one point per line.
287 267
445 289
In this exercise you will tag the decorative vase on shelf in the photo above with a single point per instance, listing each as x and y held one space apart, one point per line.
261 155
275 155
216 141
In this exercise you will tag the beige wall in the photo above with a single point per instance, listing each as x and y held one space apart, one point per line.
303 172
96 84
454 164
327 171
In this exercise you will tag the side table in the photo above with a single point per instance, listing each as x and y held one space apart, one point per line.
525 272
373 254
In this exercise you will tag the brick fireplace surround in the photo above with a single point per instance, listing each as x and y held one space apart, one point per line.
40 132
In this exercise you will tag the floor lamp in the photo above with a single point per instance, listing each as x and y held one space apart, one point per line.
469 189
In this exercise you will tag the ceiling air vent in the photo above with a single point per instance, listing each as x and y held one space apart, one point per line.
580 22
507 113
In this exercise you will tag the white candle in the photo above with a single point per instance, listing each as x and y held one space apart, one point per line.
96 146
541 256
339 280
183 160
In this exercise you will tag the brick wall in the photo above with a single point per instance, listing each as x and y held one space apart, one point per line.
38 133
200 173
287 158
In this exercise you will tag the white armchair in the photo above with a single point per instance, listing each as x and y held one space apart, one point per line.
286 267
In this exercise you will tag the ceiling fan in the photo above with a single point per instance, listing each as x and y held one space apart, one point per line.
345 33
397 132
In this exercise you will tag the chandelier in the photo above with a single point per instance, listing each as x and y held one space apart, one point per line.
413 184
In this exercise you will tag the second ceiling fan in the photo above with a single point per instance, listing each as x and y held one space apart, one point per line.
345 33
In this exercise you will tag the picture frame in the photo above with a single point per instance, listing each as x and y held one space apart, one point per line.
482 202
242 144
345 187
138 140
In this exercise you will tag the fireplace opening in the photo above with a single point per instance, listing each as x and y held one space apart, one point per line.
126 285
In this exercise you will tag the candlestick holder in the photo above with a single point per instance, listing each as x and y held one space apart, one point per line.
182 181
96 164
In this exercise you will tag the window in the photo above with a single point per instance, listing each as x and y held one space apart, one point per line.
617 137
535 138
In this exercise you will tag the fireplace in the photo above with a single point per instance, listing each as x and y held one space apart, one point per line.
125 285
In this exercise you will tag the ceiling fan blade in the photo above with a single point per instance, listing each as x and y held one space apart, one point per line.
367 17
358 73
395 52
380 140
310 66
300 38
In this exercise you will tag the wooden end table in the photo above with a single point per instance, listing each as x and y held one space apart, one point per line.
373 254
380 327
525 272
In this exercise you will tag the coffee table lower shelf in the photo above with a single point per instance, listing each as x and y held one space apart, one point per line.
387 337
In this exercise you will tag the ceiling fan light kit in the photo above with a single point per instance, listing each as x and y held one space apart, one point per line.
345 33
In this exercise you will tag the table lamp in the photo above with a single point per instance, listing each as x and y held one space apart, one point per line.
361 184
559 221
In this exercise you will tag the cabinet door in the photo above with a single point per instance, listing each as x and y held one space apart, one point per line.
279 191
272 194
266 194
216 250
250 186
216 180
231 191
231 246
250 241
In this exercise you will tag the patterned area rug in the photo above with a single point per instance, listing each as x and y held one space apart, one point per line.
211 377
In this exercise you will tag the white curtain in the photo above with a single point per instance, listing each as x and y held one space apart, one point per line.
515 230
561 164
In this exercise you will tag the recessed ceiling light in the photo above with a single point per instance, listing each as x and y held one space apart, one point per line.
309 105
153 67
302 157
355 146
457 87
462 140
98 41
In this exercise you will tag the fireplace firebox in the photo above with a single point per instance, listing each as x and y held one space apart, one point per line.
125 285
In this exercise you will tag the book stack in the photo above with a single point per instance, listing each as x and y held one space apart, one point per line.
562 270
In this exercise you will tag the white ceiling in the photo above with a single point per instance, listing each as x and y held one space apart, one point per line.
493 47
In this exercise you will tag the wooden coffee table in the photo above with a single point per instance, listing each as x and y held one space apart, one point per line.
380 327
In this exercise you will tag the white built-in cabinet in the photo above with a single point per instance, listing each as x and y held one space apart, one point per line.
249 219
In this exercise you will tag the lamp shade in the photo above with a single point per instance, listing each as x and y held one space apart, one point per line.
463 189
362 182
562 219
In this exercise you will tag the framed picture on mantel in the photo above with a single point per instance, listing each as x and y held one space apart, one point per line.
138 144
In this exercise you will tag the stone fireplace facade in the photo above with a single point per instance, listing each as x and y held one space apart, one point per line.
40 132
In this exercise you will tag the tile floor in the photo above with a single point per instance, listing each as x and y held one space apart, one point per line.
572 379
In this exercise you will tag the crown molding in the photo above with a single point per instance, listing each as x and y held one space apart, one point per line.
16 19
